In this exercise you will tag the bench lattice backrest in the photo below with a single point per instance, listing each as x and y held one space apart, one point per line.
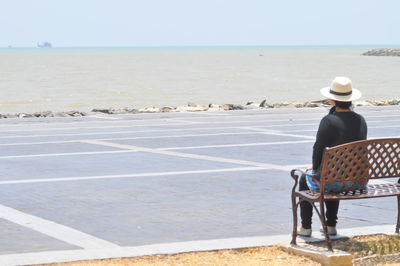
361 161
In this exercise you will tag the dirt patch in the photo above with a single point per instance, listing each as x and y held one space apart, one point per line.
247 256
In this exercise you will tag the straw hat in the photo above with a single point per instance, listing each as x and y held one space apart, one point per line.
341 90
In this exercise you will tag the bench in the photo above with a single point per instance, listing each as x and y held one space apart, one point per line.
355 161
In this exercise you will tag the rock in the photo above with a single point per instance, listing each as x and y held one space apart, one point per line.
75 113
47 114
325 102
192 109
227 106
105 111
362 103
43 114
213 109
23 115
166 109
383 52
254 106
149 110
298 105
61 114
295 105
213 105
123 110
379 103
237 107
232 107
190 104
264 104
311 104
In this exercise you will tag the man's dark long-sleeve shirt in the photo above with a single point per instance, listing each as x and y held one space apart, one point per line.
338 128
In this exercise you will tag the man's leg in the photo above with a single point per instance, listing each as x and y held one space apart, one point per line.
332 208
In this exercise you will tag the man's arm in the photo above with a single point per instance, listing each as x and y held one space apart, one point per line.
323 135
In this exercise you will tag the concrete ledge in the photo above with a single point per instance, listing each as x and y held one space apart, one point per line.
320 254
179 247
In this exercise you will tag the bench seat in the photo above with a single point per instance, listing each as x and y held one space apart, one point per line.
373 191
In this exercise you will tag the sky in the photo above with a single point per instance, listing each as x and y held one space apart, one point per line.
69 23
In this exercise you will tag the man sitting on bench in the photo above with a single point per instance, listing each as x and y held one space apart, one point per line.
340 126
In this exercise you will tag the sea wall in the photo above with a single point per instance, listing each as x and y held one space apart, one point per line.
192 107
383 52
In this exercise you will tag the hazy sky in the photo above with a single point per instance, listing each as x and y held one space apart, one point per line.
200 22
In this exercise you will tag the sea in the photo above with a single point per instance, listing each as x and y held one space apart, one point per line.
65 79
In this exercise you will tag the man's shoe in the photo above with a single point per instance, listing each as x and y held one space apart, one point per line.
331 230
303 232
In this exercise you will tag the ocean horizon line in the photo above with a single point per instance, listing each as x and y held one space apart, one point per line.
175 47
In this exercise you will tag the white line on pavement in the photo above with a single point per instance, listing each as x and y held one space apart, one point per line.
132 138
58 231
118 132
188 155
260 131
107 117
132 124
62 154
299 166
178 247
268 132
161 149
236 145
79 178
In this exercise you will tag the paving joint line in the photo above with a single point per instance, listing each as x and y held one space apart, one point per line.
134 175
278 133
188 155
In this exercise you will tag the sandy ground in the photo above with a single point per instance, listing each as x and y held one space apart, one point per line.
250 256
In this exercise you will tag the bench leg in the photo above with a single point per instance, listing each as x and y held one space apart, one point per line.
323 222
398 214
294 210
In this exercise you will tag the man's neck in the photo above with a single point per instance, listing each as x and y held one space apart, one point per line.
338 109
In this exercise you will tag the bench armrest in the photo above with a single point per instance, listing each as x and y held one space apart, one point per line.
296 173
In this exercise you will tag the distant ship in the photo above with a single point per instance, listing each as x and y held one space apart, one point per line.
44 45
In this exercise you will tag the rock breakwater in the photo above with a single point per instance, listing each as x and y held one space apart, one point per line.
191 107
383 52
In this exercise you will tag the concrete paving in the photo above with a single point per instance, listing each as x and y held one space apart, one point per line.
118 182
